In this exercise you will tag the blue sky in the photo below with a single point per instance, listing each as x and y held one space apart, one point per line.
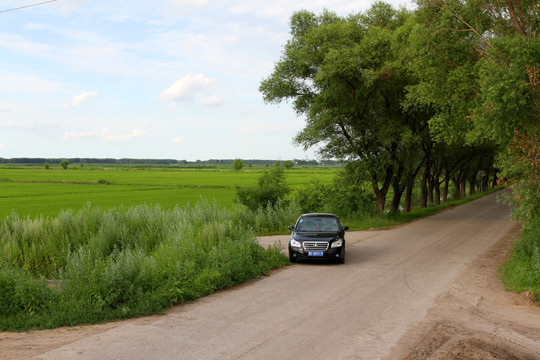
174 79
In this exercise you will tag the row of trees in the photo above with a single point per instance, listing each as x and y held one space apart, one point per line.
435 95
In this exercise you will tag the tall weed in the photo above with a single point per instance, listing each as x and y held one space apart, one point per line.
116 263
522 270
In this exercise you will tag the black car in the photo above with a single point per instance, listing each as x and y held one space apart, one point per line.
317 236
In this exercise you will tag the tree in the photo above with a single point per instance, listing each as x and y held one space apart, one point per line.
64 164
342 75
238 164
288 164
478 62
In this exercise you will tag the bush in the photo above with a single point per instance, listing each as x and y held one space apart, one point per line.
345 197
350 197
312 197
238 164
271 187
288 164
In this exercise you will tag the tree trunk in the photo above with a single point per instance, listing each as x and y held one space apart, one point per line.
495 179
431 186
472 187
463 185
423 186
380 194
445 189
457 187
408 195
398 190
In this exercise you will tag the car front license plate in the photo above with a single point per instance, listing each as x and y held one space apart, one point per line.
315 253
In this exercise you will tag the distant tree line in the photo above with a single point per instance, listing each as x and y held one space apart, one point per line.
129 161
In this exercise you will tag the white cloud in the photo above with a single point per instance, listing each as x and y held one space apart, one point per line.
79 99
178 140
191 86
2 146
103 135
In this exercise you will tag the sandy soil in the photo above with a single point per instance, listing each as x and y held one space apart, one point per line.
475 319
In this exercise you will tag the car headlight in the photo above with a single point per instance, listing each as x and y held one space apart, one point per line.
337 243
295 243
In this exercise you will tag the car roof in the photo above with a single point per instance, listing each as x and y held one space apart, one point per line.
319 215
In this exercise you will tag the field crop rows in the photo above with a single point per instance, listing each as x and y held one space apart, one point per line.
33 191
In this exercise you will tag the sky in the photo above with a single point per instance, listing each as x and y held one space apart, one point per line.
161 79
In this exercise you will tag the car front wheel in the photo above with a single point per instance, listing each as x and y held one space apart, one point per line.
341 259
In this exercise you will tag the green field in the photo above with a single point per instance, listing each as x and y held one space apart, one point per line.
31 191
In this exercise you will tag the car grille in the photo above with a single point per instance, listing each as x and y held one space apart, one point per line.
315 245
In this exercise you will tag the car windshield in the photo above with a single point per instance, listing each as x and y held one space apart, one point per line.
317 224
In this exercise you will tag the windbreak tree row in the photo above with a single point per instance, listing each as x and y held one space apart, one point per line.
429 97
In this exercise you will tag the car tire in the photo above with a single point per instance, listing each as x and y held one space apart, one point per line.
292 259
341 259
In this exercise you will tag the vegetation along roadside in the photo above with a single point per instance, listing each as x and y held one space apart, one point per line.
409 101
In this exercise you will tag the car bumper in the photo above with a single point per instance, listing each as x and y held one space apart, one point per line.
330 254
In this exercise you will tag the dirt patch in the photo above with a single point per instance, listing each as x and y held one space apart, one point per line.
476 318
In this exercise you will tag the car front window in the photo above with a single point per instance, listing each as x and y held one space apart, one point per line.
318 224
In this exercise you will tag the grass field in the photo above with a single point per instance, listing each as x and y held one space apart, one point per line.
32 191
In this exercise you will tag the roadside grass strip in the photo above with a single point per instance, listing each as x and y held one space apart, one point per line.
95 265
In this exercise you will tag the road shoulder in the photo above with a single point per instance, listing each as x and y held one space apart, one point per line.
476 318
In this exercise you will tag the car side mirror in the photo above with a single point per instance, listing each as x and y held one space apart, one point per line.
344 228
291 227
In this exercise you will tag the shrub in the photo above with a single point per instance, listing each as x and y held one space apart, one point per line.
312 197
271 187
349 197
288 164
238 164
345 197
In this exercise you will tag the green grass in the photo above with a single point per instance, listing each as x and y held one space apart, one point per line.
36 191
521 272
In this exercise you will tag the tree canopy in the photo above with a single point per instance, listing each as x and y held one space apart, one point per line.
438 92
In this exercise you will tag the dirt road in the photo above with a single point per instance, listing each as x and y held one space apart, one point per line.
425 290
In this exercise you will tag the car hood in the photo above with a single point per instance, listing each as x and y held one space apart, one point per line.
320 236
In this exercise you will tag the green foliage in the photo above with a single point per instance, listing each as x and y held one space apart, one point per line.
271 187
64 164
288 164
522 271
350 197
22 294
270 219
312 197
117 263
238 164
